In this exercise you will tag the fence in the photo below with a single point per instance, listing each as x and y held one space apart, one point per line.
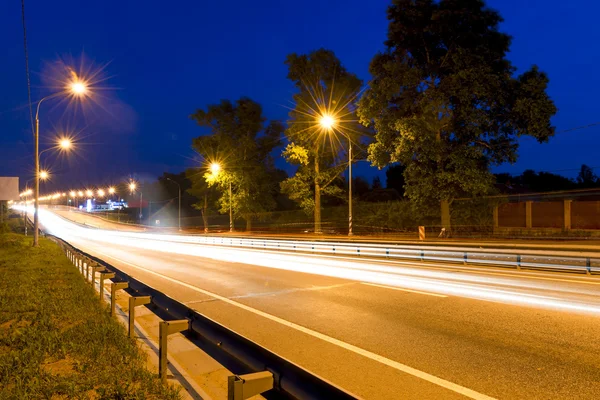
557 216
271 372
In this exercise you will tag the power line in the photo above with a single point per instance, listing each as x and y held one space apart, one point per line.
27 65
578 128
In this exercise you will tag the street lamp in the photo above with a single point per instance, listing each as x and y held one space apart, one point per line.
65 143
132 187
76 87
100 193
215 168
328 123
179 216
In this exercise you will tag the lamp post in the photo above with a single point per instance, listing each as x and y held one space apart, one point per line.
179 211
76 88
215 168
132 187
329 123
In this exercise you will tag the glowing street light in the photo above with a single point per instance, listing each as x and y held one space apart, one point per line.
327 121
132 187
43 175
100 193
80 194
89 193
111 190
78 87
65 143
72 194
215 168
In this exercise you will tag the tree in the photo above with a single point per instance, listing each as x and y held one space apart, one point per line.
324 89
586 177
444 100
242 144
543 181
360 187
376 183
394 178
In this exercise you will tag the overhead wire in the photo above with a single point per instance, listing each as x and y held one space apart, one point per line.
27 66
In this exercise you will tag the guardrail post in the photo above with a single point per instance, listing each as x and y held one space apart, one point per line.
518 261
103 276
240 387
87 270
97 268
113 294
422 255
167 328
135 301
588 266
465 258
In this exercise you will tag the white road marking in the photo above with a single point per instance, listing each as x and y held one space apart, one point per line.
365 353
403 290
293 290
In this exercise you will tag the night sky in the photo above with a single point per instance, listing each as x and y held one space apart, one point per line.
166 59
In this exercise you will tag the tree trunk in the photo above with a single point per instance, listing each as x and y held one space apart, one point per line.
248 223
445 211
317 194
444 204
204 216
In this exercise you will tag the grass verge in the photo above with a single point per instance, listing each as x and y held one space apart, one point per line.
57 341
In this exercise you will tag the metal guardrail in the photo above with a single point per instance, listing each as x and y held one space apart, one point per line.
289 378
521 260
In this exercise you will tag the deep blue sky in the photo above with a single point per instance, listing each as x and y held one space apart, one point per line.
169 58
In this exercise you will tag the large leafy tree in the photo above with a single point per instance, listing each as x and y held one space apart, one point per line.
324 88
241 141
445 101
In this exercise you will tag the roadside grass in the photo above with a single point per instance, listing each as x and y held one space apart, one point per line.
57 341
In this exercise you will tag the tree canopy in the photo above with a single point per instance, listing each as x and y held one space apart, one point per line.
241 142
445 102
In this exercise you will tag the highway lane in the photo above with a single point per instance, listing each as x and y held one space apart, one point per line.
337 326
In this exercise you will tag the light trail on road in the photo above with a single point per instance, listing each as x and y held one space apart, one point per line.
505 290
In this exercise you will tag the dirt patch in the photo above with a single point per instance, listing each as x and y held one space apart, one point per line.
14 324
60 367
7 324
66 327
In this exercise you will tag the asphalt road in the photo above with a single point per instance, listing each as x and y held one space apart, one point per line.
382 330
